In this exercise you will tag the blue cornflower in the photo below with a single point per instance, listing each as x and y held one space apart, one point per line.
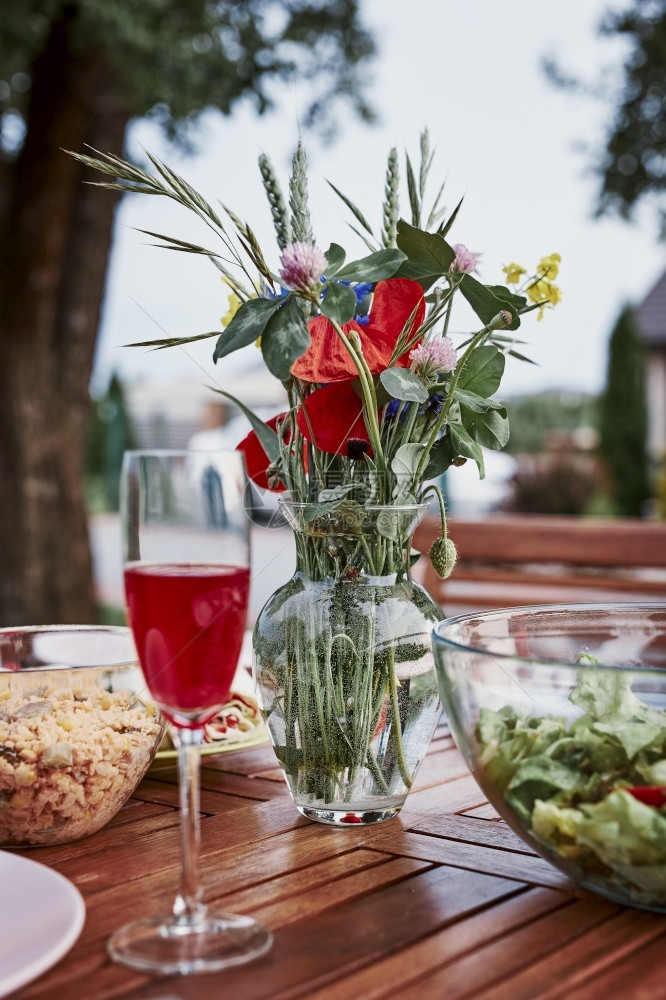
433 405
266 292
394 405
362 289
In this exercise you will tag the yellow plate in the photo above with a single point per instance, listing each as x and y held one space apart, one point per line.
261 736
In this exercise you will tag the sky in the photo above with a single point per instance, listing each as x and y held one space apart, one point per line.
508 141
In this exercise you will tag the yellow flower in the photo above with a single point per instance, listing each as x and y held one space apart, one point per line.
538 291
545 293
234 304
549 266
513 273
554 294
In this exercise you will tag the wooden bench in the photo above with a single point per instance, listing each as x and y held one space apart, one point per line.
510 560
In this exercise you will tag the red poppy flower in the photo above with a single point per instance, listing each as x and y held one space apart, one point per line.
327 359
256 459
334 421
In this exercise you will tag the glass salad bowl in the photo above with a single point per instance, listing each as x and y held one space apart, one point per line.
77 731
560 712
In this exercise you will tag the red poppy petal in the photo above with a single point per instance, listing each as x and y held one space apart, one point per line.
327 358
392 305
256 459
393 302
334 415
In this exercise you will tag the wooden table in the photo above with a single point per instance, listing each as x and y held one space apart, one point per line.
443 902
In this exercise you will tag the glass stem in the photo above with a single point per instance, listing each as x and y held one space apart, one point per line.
188 908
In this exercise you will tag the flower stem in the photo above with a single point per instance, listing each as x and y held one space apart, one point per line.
433 488
396 728
475 342
370 405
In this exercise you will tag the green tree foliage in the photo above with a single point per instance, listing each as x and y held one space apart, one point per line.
110 434
535 418
75 73
172 59
631 164
623 418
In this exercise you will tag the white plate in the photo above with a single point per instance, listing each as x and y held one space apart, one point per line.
41 917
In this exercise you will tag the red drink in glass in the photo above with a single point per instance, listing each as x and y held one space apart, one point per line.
188 622
186 552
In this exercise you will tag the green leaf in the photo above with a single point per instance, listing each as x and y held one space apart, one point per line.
440 458
521 357
464 444
314 510
267 436
446 225
506 295
335 256
285 338
413 193
429 256
475 402
339 302
490 429
483 371
164 342
336 492
375 267
485 303
406 459
391 521
356 212
606 695
248 324
329 500
387 524
383 397
538 778
171 243
404 465
402 383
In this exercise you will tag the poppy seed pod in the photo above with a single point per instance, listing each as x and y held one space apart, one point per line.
443 557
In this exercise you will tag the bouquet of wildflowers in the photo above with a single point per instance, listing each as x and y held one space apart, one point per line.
383 398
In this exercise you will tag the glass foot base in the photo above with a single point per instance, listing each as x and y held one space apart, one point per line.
162 945
352 817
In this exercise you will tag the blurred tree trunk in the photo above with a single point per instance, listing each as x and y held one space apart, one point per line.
54 244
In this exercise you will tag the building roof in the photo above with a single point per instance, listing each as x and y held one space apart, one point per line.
651 315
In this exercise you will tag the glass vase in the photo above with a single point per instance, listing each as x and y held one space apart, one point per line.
343 663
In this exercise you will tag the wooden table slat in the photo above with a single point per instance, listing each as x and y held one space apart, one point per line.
638 976
584 958
477 973
403 969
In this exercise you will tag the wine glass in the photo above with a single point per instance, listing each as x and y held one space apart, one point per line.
187 578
